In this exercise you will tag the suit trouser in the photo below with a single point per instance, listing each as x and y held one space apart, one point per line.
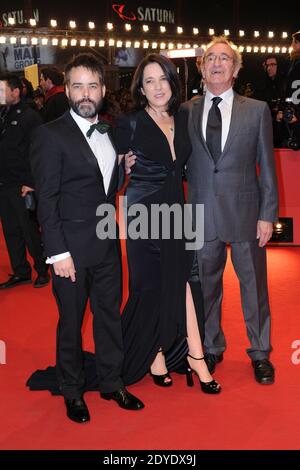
20 229
249 261
101 284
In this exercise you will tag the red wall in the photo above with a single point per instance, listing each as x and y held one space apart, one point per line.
288 174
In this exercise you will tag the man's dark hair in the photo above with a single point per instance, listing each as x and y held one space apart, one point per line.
54 74
13 81
270 56
169 69
88 61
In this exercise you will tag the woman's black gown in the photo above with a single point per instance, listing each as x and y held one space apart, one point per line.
154 316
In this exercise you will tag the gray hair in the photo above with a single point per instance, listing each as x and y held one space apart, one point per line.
237 57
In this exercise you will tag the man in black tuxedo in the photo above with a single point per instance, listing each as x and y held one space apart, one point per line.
76 170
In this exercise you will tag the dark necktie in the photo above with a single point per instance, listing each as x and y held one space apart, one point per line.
214 129
101 126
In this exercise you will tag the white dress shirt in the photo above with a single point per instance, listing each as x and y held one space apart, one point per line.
105 154
225 107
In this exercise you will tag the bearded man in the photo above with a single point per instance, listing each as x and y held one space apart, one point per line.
75 167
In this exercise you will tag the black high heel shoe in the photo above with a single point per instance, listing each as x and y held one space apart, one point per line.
160 380
211 387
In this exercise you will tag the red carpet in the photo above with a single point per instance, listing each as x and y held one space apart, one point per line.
245 416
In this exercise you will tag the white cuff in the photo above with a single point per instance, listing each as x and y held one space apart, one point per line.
61 256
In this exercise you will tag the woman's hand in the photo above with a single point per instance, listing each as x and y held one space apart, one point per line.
129 162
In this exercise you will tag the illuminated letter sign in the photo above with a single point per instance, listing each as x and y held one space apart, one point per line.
119 10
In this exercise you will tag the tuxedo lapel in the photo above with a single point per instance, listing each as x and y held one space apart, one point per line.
79 142
111 138
116 166
197 123
235 122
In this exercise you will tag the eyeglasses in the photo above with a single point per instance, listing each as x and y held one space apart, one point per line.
222 57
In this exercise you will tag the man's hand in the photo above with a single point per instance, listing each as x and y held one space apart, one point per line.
129 162
264 232
65 268
25 190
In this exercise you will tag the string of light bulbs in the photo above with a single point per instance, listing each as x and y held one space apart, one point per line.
71 37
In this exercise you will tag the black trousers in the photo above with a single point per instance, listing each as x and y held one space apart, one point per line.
101 284
21 231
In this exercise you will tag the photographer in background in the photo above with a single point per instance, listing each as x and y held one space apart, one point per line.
287 125
287 111
271 88
293 73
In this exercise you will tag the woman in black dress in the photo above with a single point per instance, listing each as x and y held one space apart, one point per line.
160 322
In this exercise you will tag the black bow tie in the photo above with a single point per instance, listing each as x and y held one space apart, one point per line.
101 126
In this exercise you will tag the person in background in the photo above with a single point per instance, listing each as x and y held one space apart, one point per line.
271 88
27 93
20 228
56 102
39 99
293 74
196 86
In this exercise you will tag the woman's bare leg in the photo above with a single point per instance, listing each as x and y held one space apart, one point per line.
194 340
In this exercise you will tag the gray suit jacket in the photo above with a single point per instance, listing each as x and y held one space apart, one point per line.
241 188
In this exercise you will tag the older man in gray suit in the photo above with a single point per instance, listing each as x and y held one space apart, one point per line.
232 139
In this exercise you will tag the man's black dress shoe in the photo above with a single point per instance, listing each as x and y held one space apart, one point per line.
14 281
77 410
42 280
124 399
211 361
264 371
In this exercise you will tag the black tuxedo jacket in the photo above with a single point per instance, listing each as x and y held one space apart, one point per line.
69 188
19 123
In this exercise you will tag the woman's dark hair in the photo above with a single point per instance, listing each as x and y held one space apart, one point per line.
29 88
169 69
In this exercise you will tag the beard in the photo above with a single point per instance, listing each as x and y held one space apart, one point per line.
86 107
